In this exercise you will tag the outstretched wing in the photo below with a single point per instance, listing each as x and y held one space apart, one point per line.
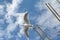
26 18
26 31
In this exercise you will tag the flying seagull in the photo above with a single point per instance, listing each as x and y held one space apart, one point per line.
27 24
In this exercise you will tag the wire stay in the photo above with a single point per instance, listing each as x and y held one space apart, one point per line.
53 11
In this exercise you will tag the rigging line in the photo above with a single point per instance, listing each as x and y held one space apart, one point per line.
58 1
38 33
43 32
52 11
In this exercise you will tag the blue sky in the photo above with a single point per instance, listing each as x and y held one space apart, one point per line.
11 19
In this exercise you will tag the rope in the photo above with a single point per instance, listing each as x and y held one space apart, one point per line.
38 33
43 32
52 10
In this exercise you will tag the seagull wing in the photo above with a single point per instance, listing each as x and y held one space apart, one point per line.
27 22
26 31
26 18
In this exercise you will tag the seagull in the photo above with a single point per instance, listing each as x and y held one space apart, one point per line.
27 24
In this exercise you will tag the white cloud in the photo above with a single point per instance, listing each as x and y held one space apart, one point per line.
12 7
2 9
11 11
12 26
1 21
20 20
1 6
39 6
